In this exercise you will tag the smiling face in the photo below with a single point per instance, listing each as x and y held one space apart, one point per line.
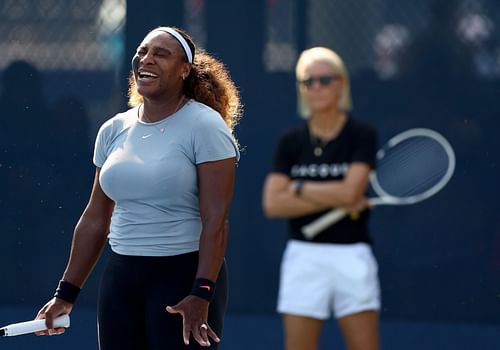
160 66
321 87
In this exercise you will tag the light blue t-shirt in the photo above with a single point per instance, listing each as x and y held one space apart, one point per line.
149 171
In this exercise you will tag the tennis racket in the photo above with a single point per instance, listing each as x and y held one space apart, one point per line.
411 167
32 326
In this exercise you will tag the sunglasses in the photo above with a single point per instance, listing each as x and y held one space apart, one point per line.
323 80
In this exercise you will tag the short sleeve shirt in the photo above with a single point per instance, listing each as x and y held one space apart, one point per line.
295 157
149 171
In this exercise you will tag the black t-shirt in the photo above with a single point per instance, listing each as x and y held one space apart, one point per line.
300 156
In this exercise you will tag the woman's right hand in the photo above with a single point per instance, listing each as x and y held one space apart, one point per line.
361 205
53 309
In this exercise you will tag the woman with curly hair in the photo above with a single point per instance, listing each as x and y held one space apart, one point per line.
162 193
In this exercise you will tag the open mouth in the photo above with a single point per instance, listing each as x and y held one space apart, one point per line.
145 75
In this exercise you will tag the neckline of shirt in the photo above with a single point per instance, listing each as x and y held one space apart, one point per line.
335 139
161 120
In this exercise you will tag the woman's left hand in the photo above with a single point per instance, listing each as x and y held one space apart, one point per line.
194 312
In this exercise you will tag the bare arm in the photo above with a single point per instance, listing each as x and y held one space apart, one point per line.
90 236
215 184
279 201
344 193
88 242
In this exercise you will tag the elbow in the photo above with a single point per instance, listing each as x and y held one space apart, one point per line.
95 227
272 215
268 210
271 211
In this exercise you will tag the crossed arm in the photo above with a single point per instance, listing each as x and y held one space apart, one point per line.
280 201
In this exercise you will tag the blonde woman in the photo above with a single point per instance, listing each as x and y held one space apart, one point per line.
323 164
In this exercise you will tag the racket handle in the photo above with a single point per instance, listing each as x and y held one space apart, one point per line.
34 326
312 229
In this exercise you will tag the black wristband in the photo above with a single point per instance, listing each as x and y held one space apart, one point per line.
67 291
297 187
203 288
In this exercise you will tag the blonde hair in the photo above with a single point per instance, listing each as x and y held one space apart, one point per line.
330 57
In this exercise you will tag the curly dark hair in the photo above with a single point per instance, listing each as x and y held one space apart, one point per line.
208 82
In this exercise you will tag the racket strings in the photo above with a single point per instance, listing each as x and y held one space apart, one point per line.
424 185
403 153
412 167
402 156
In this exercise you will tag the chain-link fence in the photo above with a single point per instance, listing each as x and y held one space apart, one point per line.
370 34
378 36
62 34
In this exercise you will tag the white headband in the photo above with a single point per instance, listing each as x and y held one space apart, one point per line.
181 40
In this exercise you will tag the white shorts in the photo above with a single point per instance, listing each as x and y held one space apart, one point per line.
320 278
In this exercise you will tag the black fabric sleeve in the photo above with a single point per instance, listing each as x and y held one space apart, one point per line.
282 158
366 146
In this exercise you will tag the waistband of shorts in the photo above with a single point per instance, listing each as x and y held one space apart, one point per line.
325 245
140 259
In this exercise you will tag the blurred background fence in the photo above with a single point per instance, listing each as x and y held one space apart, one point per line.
428 63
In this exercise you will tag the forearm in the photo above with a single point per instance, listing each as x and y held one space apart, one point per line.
286 204
89 240
215 181
213 243
336 193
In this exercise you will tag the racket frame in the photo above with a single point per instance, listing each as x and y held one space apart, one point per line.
315 227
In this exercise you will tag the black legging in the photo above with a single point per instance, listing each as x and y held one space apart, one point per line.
133 294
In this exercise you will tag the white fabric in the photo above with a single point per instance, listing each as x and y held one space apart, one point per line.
181 40
320 278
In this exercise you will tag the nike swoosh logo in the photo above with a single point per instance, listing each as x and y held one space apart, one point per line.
206 287
146 136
